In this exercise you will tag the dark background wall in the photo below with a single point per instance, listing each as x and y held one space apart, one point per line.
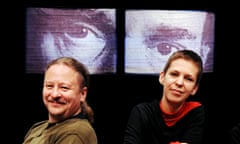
112 96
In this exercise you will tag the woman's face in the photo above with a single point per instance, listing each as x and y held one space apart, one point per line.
179 81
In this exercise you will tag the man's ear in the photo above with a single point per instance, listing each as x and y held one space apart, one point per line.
83 94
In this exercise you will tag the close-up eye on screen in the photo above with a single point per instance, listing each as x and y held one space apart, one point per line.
151 36
89 35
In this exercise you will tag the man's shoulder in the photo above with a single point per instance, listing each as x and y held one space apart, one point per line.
40 123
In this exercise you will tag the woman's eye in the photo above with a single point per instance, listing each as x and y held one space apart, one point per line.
173 74
190 79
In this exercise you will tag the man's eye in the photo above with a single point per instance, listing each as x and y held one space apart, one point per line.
65 88
49 86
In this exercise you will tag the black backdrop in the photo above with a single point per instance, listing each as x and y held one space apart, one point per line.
112 96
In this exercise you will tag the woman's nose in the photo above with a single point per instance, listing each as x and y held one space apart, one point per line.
179 80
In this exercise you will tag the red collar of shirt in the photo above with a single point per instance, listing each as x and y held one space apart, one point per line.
171 119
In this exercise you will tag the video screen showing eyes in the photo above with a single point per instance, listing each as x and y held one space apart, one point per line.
151 36
88 35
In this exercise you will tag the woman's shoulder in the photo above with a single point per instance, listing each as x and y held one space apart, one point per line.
148 106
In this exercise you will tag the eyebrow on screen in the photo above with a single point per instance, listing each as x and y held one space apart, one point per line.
166 33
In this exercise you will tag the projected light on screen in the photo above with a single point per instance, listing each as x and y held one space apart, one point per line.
153 35
85 34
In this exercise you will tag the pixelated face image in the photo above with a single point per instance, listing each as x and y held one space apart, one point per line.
85 34
153 35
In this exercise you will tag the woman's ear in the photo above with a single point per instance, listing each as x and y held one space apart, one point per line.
161 77
195 89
